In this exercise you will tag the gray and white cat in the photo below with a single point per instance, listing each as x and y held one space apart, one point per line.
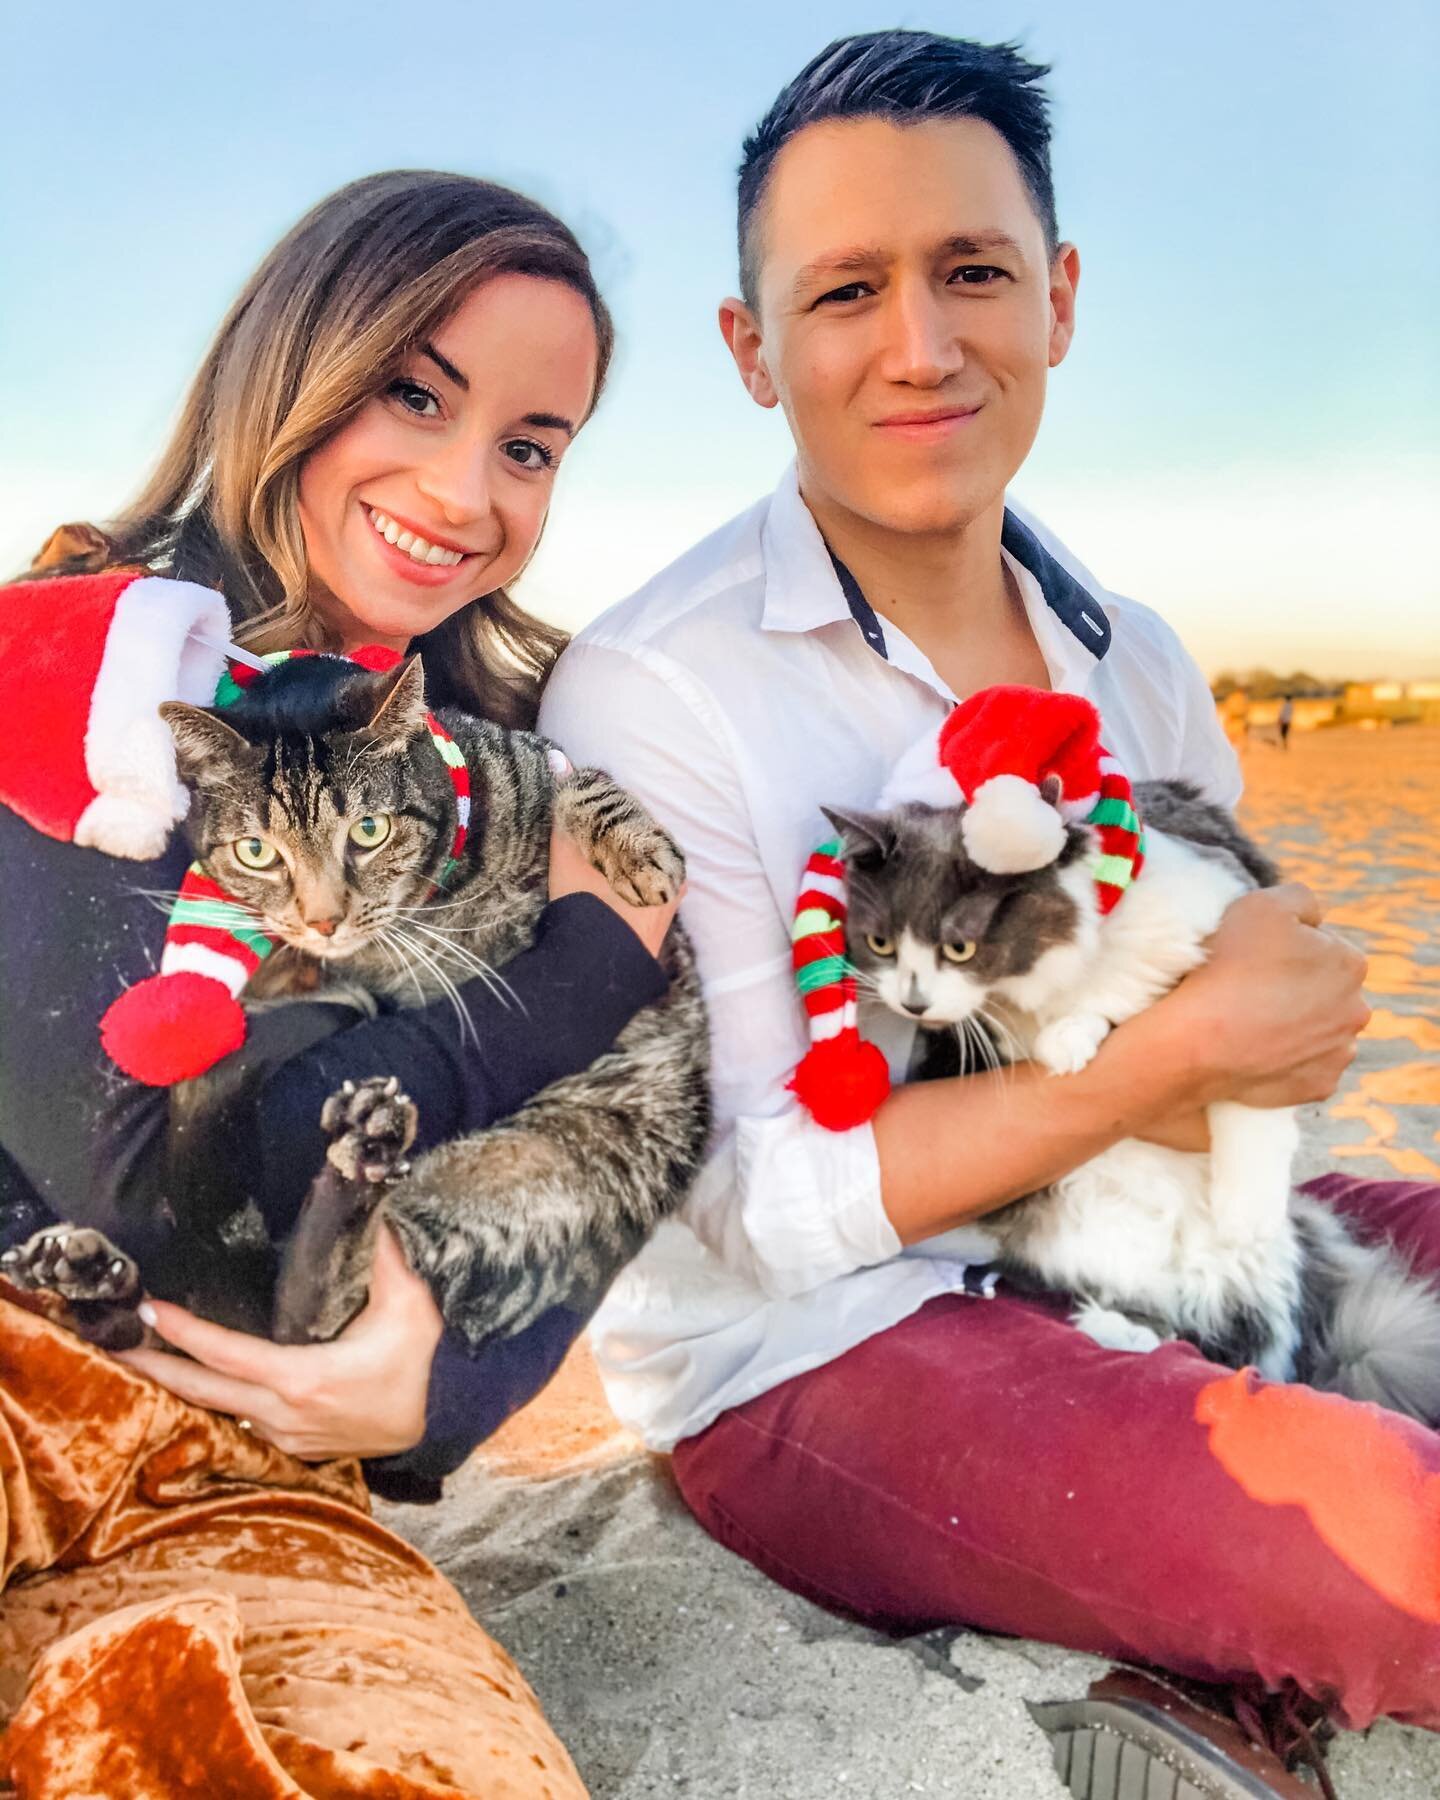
321 803
1153 1243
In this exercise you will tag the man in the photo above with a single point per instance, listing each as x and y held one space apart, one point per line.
842 1411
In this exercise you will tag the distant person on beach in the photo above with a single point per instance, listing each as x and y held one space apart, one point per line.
841 1408
1287 718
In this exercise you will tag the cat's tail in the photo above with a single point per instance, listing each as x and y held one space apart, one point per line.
1370 1325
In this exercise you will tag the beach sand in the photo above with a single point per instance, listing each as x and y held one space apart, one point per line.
670 1667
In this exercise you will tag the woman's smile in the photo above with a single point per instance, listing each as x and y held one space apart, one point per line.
429 562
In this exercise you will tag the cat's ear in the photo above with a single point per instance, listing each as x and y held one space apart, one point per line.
399 701
206 748
866 837
1052 790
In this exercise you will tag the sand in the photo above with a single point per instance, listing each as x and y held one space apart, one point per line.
670 1667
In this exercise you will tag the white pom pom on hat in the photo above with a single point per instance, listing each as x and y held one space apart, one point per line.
991 756
1009 827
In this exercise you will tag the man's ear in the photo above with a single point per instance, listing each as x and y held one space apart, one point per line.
866 837
400 709
1064 280
206 748
741 331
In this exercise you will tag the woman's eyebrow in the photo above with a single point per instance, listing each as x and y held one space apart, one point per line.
549 422
446 367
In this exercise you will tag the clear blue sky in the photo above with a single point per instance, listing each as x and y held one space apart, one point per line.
1244 434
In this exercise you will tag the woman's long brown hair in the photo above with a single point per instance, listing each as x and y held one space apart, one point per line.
320 328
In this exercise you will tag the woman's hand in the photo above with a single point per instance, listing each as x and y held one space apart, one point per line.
361 1394
1271 1018
570 873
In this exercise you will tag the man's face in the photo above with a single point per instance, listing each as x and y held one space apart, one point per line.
908 315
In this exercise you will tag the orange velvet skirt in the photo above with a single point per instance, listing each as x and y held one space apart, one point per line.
188 1611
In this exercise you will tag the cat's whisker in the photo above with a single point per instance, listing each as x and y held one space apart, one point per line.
445 984
983 1044
469 959
405 962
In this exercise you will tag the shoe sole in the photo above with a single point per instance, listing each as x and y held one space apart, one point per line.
1105 1751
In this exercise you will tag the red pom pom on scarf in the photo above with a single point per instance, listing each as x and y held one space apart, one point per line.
170 1028
842 1081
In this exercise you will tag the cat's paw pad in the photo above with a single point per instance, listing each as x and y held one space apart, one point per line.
371 1125
642 865
1065 1046
1114 1330
71 1260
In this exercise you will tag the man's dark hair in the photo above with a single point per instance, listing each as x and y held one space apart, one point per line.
906 77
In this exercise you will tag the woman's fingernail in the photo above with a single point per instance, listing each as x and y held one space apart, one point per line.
148 1314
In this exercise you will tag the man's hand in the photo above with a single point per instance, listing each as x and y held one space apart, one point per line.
361 1394
1272 1017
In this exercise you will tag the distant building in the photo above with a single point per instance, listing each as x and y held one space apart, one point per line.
1395 702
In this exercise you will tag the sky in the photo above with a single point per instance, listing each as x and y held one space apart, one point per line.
1243 436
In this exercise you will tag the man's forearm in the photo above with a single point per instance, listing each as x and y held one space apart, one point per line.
952 1151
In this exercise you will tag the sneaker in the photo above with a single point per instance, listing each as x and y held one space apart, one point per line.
1154 1737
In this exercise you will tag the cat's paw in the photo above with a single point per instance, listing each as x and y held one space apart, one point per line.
1066 1045
1113 1330
640 860
370 1125
641 863
97 1285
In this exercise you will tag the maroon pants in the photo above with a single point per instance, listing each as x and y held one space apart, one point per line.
983 1463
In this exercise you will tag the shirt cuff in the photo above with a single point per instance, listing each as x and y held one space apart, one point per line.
810 1201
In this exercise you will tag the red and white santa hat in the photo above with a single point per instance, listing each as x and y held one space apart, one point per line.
85 662
994 755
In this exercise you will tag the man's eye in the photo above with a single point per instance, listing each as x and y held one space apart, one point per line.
529 454
415 397
853 290
977 275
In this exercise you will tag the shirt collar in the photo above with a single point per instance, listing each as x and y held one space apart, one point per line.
804 590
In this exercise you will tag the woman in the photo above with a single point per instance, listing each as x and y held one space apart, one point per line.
367 455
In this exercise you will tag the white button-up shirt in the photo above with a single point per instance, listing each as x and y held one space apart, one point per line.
734 694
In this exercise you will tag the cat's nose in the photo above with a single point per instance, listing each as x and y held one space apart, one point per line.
326 927
916 1008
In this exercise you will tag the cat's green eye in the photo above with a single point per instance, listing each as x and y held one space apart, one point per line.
255 853
371 831
879 946
958 953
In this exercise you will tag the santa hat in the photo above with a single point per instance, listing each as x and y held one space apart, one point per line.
1023 763
85 662
177 1024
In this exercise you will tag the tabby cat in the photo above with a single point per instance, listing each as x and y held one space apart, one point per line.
321 795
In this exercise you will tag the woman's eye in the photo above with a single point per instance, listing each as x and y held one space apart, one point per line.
371 831
879 946
958 953
255 853
528 454
977 275
415 397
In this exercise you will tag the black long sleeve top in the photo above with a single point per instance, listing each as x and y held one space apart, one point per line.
80 1141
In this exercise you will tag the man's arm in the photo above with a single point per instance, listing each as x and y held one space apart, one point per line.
790 1204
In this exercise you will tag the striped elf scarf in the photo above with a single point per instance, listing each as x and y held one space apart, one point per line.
843 1079
1024 764
178 1023
1119 853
